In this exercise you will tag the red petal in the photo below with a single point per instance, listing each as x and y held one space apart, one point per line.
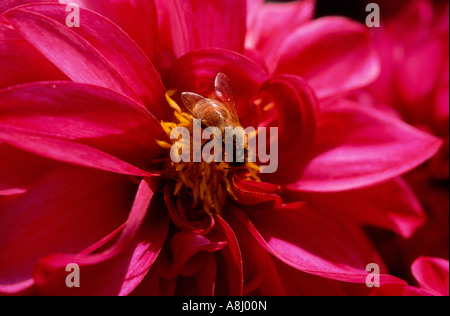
195 24
358 147
119 269
144 31
254 193
98 53
185 247
61 212
391 290
267 27
80 124
197 71
220 24
22 63
392 205
9 4
310 242
333 54
259 270
295 105
229 263
19 170
184 216
432 274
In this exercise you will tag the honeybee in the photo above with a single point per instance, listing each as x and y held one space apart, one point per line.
220 112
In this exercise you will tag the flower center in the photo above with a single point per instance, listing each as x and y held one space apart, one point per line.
208 183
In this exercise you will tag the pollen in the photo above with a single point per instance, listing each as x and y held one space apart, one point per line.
209 184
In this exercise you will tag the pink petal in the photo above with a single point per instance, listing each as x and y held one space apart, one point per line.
259 270
142 30
229 263
220 24
196 72
176 29
184 215
267 27
295 105
416 78
310 242
206 278
432 274
358 147
119 269
333 54
185 247
62 212
19 169
22 63
196 24
392 205
9 4
297 283
254 193
80 124
391 290
98 53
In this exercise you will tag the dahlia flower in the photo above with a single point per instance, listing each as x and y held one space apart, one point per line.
86 176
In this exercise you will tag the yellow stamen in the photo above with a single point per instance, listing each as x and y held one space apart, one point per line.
269 107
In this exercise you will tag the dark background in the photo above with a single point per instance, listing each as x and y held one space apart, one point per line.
355 9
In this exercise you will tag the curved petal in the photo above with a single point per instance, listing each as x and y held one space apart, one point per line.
144 31
392 205
333 54
9 4
432 274
310 242
196 72
254 193
176 35
80 124
391 290
61 212
98 53
188 25
267 27
294 104
259 270
119 269
229 263
185 248
298 283
184 216
357 147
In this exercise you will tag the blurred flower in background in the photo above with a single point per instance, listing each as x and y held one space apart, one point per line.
357 110
413 44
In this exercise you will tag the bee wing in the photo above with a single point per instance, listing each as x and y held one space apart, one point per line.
190 100
198 106
224 94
